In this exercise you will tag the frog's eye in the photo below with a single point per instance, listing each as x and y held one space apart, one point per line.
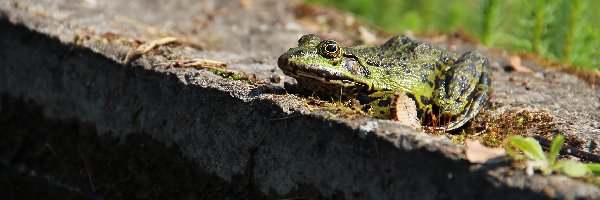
330 49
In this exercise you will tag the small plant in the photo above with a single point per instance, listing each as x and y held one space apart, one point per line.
535 158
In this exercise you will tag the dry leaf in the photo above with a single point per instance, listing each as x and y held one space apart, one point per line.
246 3
514 62
403 110
477 153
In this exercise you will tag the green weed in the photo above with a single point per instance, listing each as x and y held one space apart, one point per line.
535 158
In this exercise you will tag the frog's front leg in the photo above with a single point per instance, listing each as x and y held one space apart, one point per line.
463 89
384 105
377 104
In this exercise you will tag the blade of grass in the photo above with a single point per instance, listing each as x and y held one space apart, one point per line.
555 148
539 25
574 14
594 168
530 147
491 9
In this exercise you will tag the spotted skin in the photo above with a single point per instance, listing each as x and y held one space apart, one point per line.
440 82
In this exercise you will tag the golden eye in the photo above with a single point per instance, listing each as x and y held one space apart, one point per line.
330 49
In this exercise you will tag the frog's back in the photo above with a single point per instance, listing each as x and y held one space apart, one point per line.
404 64
401 50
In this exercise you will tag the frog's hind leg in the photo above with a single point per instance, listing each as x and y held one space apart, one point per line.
463 89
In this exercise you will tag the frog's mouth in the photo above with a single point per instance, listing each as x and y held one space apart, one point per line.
326 77
321 79
336 80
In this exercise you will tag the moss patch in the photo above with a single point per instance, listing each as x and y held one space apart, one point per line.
233 75
341 108
493 130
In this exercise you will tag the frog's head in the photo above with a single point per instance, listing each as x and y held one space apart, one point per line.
322 66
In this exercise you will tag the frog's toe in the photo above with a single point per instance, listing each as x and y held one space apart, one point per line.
472 110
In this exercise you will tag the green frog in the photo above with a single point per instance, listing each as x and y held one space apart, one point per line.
453 88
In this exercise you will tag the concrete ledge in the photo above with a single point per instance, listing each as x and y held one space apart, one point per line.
101 129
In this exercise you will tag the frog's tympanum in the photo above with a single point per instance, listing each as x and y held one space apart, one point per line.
442 84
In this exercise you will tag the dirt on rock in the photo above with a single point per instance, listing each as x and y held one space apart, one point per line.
63 157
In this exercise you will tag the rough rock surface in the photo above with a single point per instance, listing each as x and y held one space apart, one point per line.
78 122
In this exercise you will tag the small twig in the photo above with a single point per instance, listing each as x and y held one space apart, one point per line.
49 147
376 149
568 150
201 63
284 118
87 169
248 171
145 48
53 152
255 146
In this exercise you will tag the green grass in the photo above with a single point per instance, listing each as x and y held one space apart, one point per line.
562 30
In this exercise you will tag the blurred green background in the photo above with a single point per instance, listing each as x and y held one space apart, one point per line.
563 30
